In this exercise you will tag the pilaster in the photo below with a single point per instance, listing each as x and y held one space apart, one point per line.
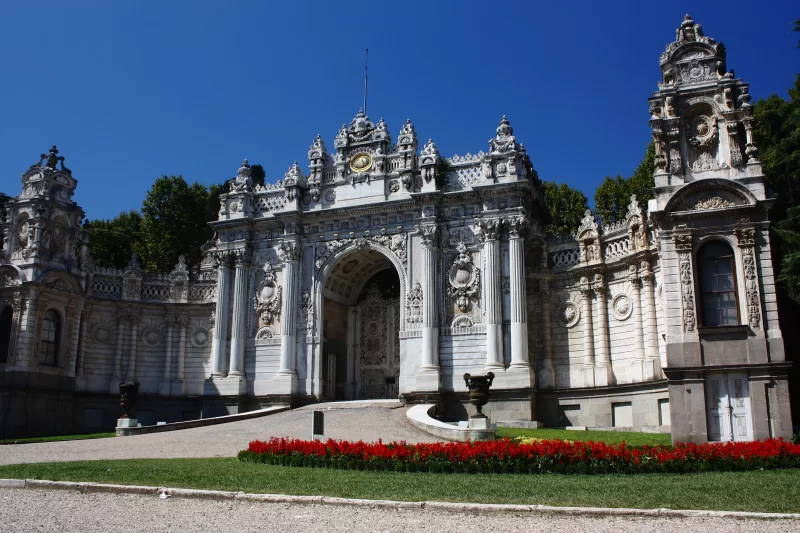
240 313
520 366
428 377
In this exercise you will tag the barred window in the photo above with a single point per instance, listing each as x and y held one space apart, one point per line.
51 329
718 285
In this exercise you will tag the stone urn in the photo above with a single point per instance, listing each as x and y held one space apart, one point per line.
479 391
128 393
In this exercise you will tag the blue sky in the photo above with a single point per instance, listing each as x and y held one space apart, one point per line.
133 90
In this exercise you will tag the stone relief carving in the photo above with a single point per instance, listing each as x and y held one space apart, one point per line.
462 321
289 251
751 287
622 306
199 337
102 333
464 279
152 336
268 296
305 313
396 243
706 161
504 141
713 202
265 333
568 314
414 307
687 290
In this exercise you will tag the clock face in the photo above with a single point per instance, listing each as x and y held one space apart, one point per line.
361 163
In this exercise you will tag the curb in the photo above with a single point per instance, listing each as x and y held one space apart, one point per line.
94 488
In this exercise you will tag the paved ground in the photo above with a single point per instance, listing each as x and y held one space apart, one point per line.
66 511
368 421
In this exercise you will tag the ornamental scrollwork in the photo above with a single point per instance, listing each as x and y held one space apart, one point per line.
464 279
687 290
268 297
289 251
414 307
751 287
305 313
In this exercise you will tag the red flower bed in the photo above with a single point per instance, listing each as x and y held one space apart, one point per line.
507 456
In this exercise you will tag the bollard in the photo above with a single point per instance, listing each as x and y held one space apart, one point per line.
317 426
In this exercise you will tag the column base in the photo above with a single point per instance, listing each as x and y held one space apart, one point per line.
230 386
588 376
284 384
428 379
546 377
642 370
518 377
603 376
497 368
657 372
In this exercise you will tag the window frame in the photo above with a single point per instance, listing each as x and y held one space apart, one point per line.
44 359
700 261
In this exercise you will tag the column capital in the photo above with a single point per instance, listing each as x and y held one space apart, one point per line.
242 257
429 235
489 229
289 250
517 226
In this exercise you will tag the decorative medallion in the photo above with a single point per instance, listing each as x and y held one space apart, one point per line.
462 321
101 333
361 163
622 306
702 131
264 333
267 302
199 337
330 195
152 335
568 314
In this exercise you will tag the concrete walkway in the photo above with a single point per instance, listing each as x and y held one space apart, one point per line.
368 421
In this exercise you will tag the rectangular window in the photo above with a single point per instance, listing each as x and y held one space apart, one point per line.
718 285
623 414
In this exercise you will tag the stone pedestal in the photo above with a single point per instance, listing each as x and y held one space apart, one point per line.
284 383
547 377
225 386
603 375
428 381
519 377
479 423
127 423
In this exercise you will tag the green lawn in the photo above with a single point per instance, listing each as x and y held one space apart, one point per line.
57 438
609 437
768 491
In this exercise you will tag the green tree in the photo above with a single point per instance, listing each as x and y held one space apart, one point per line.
173 223
612 197
111 242
566 206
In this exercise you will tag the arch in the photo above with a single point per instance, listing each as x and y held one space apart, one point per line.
60 281
11 275
356 325
6 326
50 338
718 287
692 105
697 190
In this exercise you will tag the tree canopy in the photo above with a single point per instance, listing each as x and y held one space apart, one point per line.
612 197
566 206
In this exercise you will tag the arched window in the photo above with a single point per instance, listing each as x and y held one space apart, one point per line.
6 319
51 330
718 284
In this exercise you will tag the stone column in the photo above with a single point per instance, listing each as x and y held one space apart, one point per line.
653 366
588 334
494 298
80 364
240 313
637 365
547 373
428 376
181 368
116 376
603 375
134 353
519 319
289 252
222 314
168 359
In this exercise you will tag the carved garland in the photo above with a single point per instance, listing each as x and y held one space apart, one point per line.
414 307
689 320
396 243
746 240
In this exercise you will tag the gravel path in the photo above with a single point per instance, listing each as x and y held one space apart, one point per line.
368 422
66 511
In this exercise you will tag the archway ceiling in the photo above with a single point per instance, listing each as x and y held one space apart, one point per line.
351 271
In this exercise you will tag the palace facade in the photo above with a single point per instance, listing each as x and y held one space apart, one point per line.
385 270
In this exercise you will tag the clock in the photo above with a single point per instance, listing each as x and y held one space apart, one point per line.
361 163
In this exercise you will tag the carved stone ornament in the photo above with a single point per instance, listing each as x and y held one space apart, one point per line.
683 242
713 202
101 333
504 141
462 321
199 337
464 279
568 314
414 307
687 291
289 251
701 132
268 296
622 306
705 161
305 312
751 287
152 336
264 333
745 237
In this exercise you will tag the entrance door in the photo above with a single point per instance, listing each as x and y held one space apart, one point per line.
378 345
728 403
